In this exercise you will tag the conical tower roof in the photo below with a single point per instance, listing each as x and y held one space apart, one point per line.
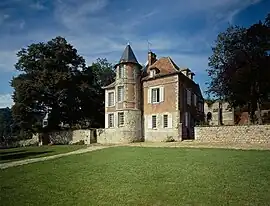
128 55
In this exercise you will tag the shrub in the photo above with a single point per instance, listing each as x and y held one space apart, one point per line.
170 139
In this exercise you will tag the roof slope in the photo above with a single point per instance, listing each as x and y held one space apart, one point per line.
128 56
165 65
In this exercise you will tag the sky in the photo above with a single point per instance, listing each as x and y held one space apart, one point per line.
183 30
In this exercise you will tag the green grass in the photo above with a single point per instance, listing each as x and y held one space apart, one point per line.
15 154
142 176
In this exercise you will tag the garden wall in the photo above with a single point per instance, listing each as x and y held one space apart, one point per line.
234 134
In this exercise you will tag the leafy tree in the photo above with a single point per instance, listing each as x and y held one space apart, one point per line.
99 74
239 67
49 78
55 79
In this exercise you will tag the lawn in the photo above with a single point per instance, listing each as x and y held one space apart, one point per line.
142 176
14 154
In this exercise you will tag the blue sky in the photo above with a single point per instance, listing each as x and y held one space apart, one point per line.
183 30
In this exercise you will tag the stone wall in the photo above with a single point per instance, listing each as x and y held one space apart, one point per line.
234 134
69 136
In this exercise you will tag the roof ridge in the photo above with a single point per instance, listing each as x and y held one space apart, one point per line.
173 64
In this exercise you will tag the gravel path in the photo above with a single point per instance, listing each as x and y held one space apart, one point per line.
187 144
39 159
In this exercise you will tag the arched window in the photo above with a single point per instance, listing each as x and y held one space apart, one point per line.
209 116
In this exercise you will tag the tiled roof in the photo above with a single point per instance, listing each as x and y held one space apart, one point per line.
165 65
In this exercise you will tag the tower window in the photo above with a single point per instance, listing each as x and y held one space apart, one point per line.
110 99
111 120
120 118
120 93
121 71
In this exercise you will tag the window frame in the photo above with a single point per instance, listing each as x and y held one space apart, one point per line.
166 123
157 89
121 71
154 126
122 94
113 100
121 124
188 97
111 121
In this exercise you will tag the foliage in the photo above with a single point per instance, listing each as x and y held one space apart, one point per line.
239 66
209 102
170 139
54 78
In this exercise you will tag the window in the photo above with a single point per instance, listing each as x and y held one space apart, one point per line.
195 100
110 99
188 97
152 73
165 121
120 93
121 71
111 120
120 118
155 95
186 119
154 121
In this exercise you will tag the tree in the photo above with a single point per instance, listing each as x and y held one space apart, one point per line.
239 66
50 78
99 74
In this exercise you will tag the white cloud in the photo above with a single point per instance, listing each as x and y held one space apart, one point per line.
38 5
97 29
6 101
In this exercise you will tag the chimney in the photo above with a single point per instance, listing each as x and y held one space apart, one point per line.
152 58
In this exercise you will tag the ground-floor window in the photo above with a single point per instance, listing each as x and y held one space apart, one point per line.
120 118
154 121
111 120
165 121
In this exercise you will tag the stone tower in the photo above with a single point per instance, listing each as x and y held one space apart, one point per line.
128 97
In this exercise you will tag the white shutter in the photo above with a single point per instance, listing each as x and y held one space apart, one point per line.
149 122
106 99
170 121
161 95
106 121
115 121
149 96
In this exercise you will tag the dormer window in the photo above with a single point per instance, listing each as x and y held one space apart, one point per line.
152 73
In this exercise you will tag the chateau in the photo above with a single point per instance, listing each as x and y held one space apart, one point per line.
154 102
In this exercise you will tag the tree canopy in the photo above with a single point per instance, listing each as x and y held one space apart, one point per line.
239 66
54 78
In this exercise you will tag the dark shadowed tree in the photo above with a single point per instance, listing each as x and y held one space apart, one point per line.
49 79
99 74
239 67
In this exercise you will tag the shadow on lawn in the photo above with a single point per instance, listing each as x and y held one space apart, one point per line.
11 152
14 156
